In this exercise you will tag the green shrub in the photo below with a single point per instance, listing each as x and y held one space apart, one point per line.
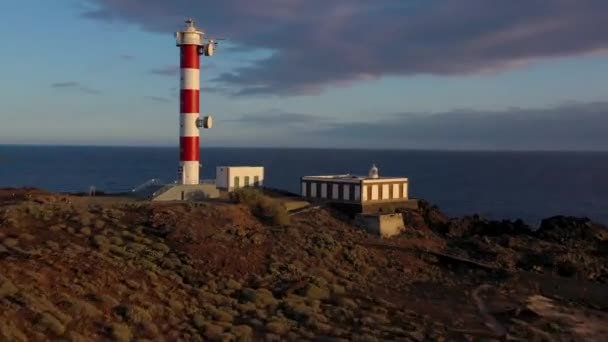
80 308
133 313
120 332
272 211
161 247
261 206
10 332
7 288
100 240
10 242
242 332
48 322
248 196
198 320
277 327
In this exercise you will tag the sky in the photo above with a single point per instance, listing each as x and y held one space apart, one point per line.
399 74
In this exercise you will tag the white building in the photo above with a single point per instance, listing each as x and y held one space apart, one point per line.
352 189
230 178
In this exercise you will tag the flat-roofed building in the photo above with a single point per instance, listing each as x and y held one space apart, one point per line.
230 178
356 190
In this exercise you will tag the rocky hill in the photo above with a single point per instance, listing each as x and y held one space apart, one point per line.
85 269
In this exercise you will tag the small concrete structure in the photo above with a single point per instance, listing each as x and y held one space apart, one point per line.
384 225
230 178
186 192
364 192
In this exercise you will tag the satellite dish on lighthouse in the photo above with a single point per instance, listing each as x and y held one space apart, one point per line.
209 49
206 122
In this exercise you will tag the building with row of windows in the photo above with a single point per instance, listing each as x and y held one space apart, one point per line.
230 178
356 190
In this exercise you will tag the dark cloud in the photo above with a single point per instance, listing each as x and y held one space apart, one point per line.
75 86
317 43
571 126
277 117
127 57
168 70
158 99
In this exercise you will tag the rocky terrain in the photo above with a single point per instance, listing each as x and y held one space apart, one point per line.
95 268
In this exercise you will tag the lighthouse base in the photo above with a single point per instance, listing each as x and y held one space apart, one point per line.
186 192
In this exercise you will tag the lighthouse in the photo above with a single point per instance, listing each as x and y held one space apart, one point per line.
192 45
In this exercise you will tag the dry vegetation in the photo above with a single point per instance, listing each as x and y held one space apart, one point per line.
263 207
78 269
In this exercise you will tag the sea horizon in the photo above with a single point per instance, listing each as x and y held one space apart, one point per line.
500 150
528 185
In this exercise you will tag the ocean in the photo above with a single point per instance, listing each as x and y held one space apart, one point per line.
498 185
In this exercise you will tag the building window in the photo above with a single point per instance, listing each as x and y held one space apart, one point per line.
246 180
323 190
346 192
396 193
304 192
256 181
385 190
313 189
375 192
335 192
237 182
357 193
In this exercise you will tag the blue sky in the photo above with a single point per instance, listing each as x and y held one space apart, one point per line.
87 72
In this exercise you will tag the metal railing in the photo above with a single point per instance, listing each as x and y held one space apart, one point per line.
153 181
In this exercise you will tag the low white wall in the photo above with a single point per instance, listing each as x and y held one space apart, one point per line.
385 226
184 192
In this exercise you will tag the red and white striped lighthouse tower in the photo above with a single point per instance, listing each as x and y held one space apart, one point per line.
192 44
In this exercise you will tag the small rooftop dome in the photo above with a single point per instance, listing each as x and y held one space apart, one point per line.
373 172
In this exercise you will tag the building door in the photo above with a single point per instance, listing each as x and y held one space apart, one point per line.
246 181
237 182
256 181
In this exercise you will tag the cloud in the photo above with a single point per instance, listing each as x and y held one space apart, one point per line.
574 126
75 86
158 99
316 43
277 117
168 70
126 57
